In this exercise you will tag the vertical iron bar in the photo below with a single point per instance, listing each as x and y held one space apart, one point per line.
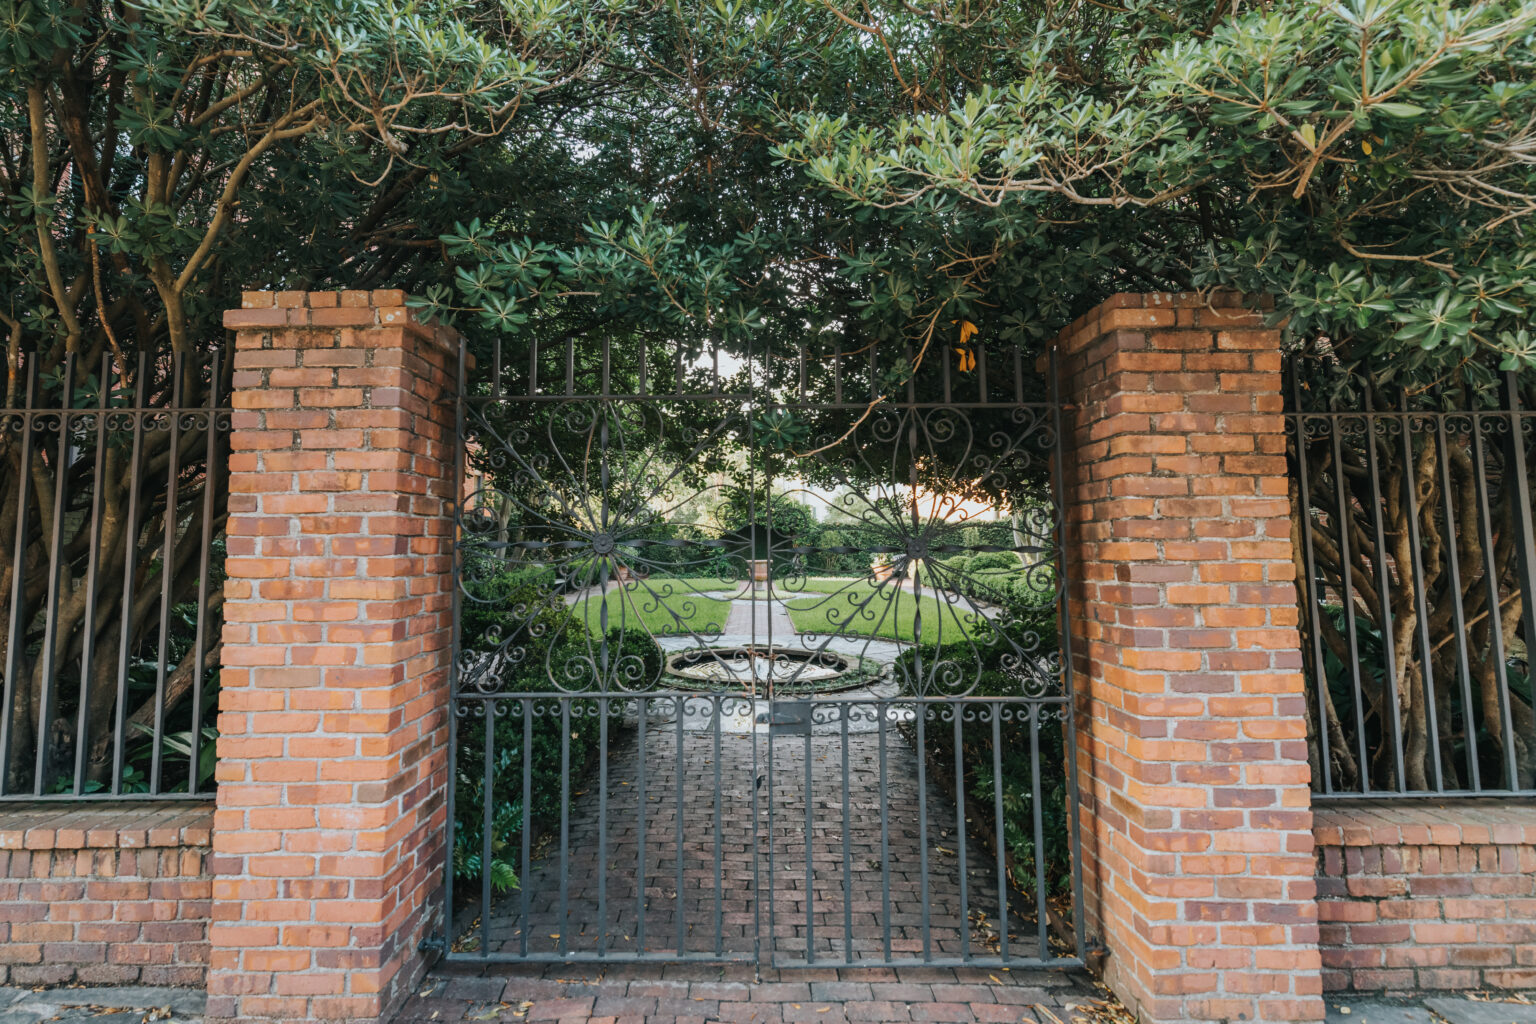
130 566
1001 841
602 827
456 569
1384 592
526 836
1068 682
847 850
93 552
487 803
565 823
645 712
773 882
810 888
1347 595
1517 482
1042 907
922 826
1491 578
42 778
1458 605
885 838
677 771
18 624
167 558
1421 600
200 642
960 830
496 372
1308 587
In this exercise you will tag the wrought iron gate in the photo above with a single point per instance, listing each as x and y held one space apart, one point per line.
748 668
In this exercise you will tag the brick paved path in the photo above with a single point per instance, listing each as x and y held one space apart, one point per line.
717 912
695 994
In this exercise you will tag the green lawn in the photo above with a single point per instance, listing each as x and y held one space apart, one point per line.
657 606
885 613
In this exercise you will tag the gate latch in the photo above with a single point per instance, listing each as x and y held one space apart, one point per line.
788 718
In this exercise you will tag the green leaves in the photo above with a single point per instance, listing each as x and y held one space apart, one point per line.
1445 319
780 430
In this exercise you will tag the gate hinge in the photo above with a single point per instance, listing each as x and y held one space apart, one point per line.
434 943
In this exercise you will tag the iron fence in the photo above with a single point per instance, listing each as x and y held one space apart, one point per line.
1414 560
113 494
738 673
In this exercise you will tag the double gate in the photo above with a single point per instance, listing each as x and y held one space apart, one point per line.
757 659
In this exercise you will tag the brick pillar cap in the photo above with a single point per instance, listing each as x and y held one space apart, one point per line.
1092 324
381 307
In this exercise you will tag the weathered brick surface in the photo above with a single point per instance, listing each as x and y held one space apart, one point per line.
708 994
104 895
333 731
1415 897
1198 853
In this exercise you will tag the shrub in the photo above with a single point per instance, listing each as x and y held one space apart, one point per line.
1032 626
522 615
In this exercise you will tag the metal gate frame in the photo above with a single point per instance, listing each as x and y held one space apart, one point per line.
763 403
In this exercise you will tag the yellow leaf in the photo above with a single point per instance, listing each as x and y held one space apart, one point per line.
967 331
1309 136
1365 147
966 359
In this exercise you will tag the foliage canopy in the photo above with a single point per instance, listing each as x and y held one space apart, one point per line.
870 170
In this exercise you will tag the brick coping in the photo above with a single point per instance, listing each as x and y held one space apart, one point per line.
1414 822
129 825
381 307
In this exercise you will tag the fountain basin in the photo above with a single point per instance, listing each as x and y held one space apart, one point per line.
757 669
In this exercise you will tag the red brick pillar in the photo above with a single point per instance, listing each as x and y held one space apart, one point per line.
1192 751
327 844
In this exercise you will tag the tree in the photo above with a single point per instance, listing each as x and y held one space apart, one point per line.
155 158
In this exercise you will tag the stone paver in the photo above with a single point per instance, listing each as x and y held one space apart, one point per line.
1478 1011
131 1004
721 995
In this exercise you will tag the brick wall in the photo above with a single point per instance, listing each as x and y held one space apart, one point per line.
1198 852
1420 897
104 895
333 716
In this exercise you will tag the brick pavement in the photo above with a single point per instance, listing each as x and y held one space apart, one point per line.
847 907
717 912
698 994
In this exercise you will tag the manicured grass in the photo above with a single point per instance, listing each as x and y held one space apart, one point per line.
857 608
656 606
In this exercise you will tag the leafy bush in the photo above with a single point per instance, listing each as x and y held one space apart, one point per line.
992 560
543 630
1031 625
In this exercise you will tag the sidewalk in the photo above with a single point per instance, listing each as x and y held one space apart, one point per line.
705 995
